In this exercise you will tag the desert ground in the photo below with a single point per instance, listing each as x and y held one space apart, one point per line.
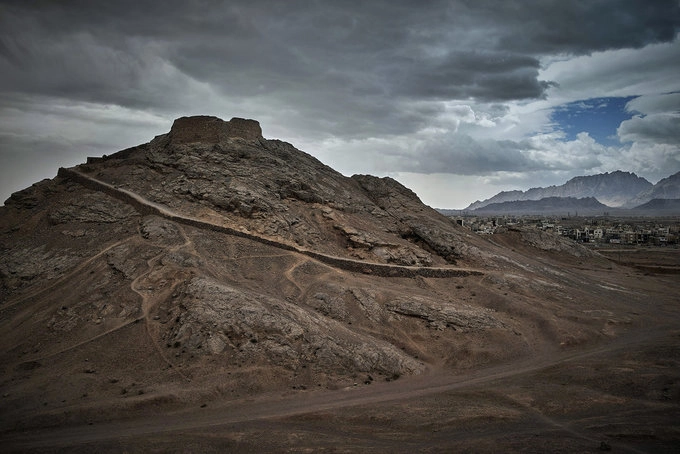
620 392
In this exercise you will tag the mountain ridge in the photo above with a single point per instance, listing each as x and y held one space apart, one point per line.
666 188
615 190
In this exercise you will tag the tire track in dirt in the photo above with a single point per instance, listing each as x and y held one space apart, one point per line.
86 341
273 407
61 280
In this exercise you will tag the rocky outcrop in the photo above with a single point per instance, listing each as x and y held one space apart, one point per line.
245 327
92 208
27 198
441 315
24 265
268 187
206 129
415 222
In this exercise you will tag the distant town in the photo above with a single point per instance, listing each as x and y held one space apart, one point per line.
601 230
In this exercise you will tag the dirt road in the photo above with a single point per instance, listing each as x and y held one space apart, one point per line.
266 409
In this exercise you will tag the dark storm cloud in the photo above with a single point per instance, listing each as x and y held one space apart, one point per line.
325 58
663 128
573 27
463 74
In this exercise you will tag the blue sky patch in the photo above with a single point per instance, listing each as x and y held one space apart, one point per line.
599 117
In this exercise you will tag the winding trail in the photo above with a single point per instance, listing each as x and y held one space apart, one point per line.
145 206
136 286
289 275
147 305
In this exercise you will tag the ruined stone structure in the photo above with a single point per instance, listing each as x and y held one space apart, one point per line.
207 129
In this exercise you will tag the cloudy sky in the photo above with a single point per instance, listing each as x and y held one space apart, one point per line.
458 100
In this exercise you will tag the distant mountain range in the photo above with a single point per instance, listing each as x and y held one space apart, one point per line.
547 205
616 192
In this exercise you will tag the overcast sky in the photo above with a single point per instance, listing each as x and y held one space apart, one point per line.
457 100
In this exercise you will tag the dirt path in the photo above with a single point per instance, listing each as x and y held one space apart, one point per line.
289 275
84 342
150 297
271 407
147 305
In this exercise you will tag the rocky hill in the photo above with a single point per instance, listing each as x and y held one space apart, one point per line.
615 189
228 245
212 264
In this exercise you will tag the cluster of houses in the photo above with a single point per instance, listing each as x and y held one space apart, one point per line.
595 230
658 235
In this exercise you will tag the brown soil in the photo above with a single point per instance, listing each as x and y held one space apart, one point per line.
621 391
